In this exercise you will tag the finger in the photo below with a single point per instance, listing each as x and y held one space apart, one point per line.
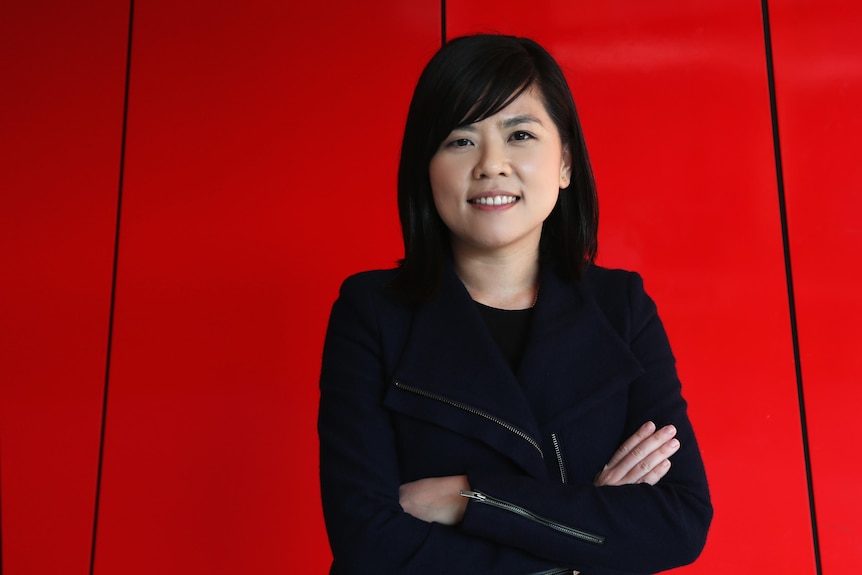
648 470
647 467
641 458
629 444
657 473
644 449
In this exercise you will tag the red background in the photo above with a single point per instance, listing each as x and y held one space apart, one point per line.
168 266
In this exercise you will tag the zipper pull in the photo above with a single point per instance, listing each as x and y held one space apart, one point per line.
474 495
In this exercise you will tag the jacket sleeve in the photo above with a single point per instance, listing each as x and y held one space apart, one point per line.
642 528
369 533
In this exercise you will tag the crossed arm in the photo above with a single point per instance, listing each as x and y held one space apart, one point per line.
642 458
377 524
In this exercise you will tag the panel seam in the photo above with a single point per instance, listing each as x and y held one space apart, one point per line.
791 300
113 289
442 22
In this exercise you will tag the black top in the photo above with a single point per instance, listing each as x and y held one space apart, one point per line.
509 328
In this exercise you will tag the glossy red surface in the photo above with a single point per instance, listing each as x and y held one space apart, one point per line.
62 69
260 171
675 106
818 73
262 148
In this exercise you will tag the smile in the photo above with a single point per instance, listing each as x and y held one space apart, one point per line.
495 200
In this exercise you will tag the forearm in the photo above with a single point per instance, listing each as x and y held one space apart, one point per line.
634 528
394 542
360 478
370 533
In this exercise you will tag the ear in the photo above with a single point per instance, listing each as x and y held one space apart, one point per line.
566 168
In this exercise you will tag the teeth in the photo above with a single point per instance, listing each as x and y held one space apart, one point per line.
496 200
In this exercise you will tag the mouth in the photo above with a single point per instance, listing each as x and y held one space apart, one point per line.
501 200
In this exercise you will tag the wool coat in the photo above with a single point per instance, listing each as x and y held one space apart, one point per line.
416 391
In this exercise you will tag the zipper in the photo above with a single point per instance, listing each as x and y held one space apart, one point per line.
563 476
560 571
518 510
522 434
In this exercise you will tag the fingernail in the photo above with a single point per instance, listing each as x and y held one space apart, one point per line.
649 425
670 430
674 443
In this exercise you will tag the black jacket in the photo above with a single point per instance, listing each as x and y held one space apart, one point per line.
409 392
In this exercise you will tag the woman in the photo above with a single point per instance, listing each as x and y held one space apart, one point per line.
498 403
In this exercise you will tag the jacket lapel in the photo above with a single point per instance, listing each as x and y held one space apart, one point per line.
453 374
574 357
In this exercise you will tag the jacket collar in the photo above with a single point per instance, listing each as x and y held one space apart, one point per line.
452 372
574 357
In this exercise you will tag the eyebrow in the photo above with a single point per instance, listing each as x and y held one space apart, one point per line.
521 119
507 123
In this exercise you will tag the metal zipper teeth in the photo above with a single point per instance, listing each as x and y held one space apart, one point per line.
559 452
526 513
474 411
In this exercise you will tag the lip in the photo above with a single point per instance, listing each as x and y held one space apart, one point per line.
493 199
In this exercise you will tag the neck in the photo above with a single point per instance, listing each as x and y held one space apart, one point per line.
503 280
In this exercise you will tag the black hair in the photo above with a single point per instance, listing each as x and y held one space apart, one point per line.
469 79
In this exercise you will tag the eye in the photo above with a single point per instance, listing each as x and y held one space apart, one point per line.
459 143
521 136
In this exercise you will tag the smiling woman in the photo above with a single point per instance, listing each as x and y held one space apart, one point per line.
499 403
495 182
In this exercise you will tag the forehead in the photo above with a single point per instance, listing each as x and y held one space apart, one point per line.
530 101
527 107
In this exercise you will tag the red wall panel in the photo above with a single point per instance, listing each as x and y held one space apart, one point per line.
262 150
818 73
674 100
62 68
261 158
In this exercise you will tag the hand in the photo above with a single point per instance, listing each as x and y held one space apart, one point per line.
642 458
435 499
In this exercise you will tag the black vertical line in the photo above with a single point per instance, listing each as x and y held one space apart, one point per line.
442 22
113 288
782 206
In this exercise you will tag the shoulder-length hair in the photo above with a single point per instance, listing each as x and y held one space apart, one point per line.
469 79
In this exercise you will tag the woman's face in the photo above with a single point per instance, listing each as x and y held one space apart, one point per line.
495 182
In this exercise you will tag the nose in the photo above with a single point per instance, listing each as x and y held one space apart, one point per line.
492 161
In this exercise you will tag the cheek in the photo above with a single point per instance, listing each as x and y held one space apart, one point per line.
441 206
445 182
546 180
439 195
436 171
542 167
440 192
545 177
